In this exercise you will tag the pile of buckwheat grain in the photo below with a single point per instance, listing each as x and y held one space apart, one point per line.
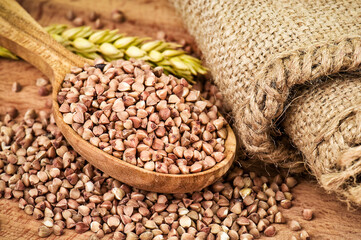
57 186
144 117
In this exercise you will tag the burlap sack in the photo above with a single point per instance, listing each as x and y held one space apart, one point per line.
257 51
324 122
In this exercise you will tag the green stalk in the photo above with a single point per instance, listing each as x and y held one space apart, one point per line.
111 45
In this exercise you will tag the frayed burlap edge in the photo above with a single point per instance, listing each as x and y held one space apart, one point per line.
331 145
268 96
342 182
338 182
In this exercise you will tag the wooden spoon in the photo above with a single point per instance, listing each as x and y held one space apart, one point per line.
21 34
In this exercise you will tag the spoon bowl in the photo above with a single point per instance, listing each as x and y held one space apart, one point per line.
21 34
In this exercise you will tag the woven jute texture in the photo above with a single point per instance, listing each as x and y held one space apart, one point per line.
257 51
324 122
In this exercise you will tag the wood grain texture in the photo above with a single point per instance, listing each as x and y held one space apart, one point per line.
21 34
332 220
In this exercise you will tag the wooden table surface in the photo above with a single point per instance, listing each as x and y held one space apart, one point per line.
145 18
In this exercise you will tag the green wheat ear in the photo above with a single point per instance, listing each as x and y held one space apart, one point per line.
7 54
112 45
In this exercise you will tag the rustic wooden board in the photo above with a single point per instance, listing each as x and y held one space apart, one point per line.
332 220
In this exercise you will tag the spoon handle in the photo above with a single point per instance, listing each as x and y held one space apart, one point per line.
22 35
